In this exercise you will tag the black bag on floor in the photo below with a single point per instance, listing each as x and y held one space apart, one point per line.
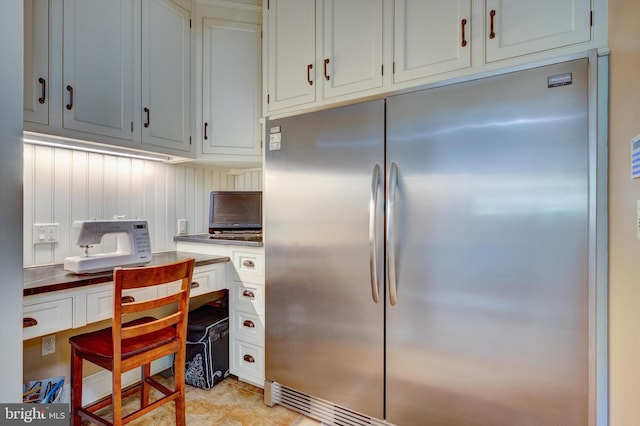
207 360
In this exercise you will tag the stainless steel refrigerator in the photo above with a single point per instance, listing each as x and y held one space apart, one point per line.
428 257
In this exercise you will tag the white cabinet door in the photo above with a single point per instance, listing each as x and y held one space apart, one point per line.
517 27
231 88
36 61
352 46
431 37
291 53
97 67
165 109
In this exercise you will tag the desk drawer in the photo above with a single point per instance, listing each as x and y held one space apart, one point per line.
210 280
247 297
247 361
246 326
100 304
249 266
45 318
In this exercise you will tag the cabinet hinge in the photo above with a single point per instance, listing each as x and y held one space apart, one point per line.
132 127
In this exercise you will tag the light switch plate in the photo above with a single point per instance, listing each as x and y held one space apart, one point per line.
45 233
182 226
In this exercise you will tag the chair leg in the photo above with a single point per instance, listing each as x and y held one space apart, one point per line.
116 401
76 387
180 359
144 395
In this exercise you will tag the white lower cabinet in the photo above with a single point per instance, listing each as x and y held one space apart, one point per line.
46 317
246 307
48 313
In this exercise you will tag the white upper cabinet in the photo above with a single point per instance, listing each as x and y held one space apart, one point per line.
516 27
322 49
36 61
292 53
165 110
231 89
431 37
352 46
97 67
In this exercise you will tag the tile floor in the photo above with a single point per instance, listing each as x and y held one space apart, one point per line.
229 403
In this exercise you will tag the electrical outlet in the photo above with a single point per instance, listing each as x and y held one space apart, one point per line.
182 226
45 233
48 344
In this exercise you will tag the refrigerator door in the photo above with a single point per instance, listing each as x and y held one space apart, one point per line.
325 331
490 250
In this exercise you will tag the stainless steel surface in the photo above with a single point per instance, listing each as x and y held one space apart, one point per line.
325 333
492 317
373 240
486 255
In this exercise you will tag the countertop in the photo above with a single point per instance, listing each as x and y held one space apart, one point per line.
207 239
43 279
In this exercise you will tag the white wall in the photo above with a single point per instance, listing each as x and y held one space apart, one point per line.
11 199
62 185
624 246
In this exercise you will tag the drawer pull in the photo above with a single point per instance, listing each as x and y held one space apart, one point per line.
29 322
128 299
42 99
195 284
248 324
248 293
464 39
249 264
309 68
248 358
492 15
70 104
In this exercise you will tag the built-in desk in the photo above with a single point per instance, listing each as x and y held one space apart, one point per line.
56 300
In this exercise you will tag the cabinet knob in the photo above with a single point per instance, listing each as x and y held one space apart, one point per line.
248 324
248 293
248 358
29 322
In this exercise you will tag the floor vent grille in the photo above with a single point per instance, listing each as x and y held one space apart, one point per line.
321 410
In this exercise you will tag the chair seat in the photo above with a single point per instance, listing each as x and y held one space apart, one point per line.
100 343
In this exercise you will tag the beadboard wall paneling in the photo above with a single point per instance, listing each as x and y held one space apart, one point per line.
62 185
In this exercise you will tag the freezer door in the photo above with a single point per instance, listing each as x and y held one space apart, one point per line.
490 250
325 331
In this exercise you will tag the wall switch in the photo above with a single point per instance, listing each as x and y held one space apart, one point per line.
48 344
45 233
182 226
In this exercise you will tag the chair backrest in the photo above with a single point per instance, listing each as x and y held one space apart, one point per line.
175 303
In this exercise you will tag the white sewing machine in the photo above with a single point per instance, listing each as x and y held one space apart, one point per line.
133 245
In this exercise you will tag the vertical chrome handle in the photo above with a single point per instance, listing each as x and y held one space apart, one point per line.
43 84
391 223
373 241
492 15
70 104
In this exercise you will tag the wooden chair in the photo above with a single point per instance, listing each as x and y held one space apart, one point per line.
127 345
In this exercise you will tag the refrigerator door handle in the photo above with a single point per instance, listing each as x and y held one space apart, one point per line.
373 241
391 223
